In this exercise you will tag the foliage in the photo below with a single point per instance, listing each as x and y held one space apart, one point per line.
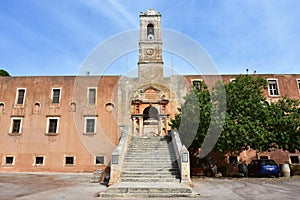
195 111
250 120
246 113
284 123
3 73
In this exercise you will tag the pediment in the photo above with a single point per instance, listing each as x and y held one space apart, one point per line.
150 89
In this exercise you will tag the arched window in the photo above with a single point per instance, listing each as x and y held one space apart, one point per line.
37 107
1 107
73 106
150 31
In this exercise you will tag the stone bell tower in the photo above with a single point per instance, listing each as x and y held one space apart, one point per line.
150 65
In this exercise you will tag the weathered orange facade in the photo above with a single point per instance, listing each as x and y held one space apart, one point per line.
32 140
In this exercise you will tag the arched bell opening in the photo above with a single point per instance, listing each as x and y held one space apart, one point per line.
150 116
150 31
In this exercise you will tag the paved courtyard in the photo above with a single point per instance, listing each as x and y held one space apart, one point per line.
42 186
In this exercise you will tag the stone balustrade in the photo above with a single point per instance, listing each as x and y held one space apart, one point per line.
118 156
182 155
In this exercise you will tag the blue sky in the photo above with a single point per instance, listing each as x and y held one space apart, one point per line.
53 37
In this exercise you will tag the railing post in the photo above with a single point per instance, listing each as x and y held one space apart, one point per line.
185 165
114 168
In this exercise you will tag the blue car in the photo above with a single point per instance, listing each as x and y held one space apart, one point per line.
263 168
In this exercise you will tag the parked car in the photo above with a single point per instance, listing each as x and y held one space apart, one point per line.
263 168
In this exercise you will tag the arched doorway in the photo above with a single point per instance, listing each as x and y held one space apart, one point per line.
150 116
150 121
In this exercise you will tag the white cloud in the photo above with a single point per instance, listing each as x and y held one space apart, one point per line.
113 11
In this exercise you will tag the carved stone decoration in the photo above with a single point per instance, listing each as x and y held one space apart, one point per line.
149 94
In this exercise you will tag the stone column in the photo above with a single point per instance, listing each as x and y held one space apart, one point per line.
133 126
160 126
141 126
166 123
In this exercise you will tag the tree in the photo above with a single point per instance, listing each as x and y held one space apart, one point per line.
284 124
195 111
249 122
3 73
246 114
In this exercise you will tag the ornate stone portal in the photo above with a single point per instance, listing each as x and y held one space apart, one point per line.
150 116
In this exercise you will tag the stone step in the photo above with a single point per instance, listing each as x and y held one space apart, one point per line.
145 173
145 150
146 160
147 167
157 154
150 176
154 164
149 187
147 177
150 161
142 180
149 156
161 169
151 153
138 170
145 195
147 190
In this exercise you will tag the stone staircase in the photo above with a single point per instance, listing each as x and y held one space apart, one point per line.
149 170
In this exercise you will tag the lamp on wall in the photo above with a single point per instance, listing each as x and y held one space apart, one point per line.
115 159
185 157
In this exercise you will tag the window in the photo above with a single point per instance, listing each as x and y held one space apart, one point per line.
294 159
99 160
232 80
16 125
109 107
52 125
69 160
1 107
273 88
197 84
92 96
90 125
55 95
39 160
9 160
298 83
37 108
73 107
20 97
233 160
263 157
150 31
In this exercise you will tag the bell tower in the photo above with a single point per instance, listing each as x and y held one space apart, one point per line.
150 65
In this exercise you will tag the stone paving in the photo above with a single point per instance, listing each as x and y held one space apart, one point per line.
42 186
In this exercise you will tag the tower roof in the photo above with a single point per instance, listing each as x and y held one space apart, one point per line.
150 11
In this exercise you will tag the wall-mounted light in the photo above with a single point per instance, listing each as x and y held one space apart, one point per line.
185 157
115 159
